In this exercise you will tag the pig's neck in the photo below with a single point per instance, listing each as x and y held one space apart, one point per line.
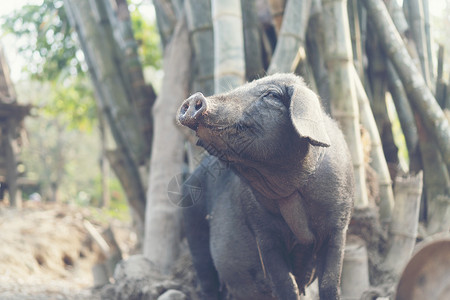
285 175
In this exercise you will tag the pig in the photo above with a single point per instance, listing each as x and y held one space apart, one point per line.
276 192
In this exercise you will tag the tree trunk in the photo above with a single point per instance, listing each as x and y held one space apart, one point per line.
378 161
290 49
104 165
344 106
11 163
229 57
97 43
163 218
419 94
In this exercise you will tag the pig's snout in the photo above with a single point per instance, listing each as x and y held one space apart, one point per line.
191 110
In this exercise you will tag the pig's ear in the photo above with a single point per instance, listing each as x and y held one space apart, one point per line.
306 115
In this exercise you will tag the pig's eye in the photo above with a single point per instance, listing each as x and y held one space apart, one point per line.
273 93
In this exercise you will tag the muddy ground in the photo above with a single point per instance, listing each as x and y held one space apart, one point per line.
46 252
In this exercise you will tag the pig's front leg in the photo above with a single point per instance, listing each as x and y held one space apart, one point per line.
275 267
331 266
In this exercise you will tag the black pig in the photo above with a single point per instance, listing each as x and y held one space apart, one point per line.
277 192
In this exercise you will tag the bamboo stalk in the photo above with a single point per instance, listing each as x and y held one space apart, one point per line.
315 50
406 118
100 45
98 52
436 176
252 41
138 92
277 10
355 33
404 226
199 22
165 19
440 215
426 15
355 269
418 92
344 107
417 27
441 87
398 16
378 82
229 57
290 49
378 161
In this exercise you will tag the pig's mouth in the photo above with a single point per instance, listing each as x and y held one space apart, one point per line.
214 139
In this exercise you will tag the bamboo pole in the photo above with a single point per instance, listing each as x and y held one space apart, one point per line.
290 49
417 28
344 107
277 11
436 176
441 87
378 161
440 212
405 221
315 50
355 33
406 118
199 22
418 92
426 16
166 19
138 92
252 41
229 57
355 269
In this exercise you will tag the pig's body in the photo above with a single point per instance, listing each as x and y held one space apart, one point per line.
276 204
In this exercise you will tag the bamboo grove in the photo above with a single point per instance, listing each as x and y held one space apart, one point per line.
355 54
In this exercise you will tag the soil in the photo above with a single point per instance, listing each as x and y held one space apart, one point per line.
46 253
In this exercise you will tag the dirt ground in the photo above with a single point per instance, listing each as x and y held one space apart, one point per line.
46 253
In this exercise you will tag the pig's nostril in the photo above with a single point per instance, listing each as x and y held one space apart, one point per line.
184 108
198 104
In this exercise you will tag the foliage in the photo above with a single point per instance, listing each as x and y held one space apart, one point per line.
440 24
73 101
118 207
48 42
45 39
57 155
146 34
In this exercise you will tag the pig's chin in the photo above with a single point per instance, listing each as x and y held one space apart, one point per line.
209 140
